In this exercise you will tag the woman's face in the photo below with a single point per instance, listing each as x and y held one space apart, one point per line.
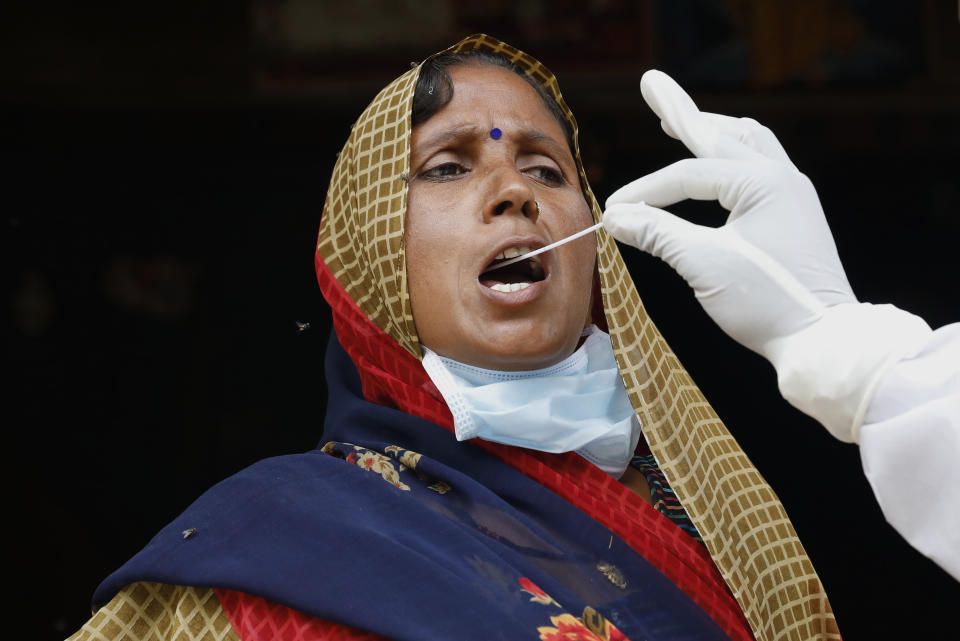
473 197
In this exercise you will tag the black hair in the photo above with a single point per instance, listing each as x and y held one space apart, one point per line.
435 88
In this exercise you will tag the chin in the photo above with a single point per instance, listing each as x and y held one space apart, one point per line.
525 350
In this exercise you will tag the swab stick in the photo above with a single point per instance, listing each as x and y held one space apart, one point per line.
563 241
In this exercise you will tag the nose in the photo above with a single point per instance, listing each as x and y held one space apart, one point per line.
511 194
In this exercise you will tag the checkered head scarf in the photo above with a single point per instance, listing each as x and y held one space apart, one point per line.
361 267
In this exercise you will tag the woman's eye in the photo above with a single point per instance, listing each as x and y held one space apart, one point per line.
547 174
446 170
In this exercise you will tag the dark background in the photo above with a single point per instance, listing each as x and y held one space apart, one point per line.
164 172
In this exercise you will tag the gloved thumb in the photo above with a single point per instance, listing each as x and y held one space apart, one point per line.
652 230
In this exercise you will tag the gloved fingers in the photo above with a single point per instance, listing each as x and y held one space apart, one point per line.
691 178
652 230
667 130
679 115
681 119
752 134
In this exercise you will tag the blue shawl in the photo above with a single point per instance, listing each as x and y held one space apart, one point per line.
395 527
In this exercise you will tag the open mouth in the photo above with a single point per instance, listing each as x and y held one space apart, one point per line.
513 277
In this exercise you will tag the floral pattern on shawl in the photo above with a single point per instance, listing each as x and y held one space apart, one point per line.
371 461
384 465
591 626
537 595
567 627
407 458
439 487
380 464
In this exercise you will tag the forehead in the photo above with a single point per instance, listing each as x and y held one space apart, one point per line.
488 96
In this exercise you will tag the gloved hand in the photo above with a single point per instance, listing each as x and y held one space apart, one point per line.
770 277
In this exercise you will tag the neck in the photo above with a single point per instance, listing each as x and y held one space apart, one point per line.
636 482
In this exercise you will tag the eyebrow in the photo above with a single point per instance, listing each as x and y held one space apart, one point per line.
531 135
444 138
464 133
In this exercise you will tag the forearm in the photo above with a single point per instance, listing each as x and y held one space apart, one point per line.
910 448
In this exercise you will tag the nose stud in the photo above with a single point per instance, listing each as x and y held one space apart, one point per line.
495 133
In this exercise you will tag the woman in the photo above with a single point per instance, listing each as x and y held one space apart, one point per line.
396 526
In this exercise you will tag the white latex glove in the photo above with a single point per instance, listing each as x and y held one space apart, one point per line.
770 277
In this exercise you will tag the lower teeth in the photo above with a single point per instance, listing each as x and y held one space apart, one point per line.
509 287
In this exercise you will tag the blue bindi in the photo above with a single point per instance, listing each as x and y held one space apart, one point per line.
495 133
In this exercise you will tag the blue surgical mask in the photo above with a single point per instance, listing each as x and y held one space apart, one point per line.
578 405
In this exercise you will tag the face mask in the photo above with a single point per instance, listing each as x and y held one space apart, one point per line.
578 405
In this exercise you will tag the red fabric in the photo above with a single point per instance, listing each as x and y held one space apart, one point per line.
393 378
256 619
